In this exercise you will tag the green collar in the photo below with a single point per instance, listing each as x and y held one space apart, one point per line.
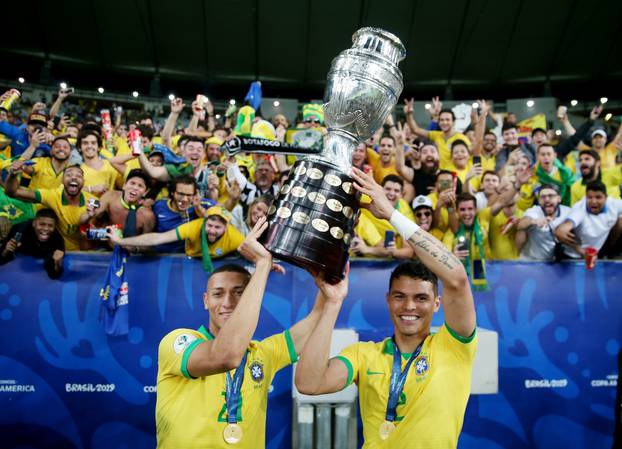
65 201
205 332
389 347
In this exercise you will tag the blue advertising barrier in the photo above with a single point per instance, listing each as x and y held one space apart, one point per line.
65 383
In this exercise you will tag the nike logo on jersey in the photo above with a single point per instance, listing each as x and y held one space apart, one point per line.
371 373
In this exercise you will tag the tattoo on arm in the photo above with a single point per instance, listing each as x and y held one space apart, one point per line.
435 248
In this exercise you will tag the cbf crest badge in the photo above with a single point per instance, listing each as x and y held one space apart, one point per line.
421 365
256 369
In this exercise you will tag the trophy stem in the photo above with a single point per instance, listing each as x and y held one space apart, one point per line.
338 149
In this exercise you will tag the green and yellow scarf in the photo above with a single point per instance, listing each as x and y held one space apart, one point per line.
478 277
567 178
206 260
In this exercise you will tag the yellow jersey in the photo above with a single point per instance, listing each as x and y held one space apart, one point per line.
379 171
383 226
121 146
484 225
489 162
502 246
431 407
444 146
44 176
191 412
191 232
68 215
444 222
366 230
609 176
107 175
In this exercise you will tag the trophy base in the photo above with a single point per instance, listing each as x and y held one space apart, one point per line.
311 221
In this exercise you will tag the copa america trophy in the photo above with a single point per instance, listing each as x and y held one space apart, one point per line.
311 221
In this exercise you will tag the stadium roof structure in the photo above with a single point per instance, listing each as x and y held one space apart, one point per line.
486 48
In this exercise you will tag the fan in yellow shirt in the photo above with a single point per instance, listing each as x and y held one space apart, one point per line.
99 174
383 162
502 221
443 138
591 170
406 387
423 211
392 186
209 237
47 172
67 201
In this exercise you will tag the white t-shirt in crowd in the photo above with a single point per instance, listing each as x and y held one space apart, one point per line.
481 201
591 229
540 244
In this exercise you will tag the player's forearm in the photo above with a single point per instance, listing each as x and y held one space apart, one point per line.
314 359
431 252
438 259
301 331
233 338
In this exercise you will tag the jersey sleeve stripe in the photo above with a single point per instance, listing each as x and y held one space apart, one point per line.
186 356
177 232
291 348
460 338
348 365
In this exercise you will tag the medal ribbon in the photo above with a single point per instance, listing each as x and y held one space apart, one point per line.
232 391
398 378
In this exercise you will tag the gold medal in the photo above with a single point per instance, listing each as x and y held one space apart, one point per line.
232 433
385 429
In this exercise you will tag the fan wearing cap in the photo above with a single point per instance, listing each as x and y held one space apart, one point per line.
99 174
68 201
591 170
607 152
21 135
124 208
312 115
209 237
212 149
424 215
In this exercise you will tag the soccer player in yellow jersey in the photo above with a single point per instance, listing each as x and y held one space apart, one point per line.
213 382
414 386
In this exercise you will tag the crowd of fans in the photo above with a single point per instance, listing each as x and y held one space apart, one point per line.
74 183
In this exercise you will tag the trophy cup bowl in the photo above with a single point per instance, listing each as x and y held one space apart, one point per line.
312 219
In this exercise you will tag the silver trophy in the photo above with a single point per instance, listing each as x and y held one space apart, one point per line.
311 221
